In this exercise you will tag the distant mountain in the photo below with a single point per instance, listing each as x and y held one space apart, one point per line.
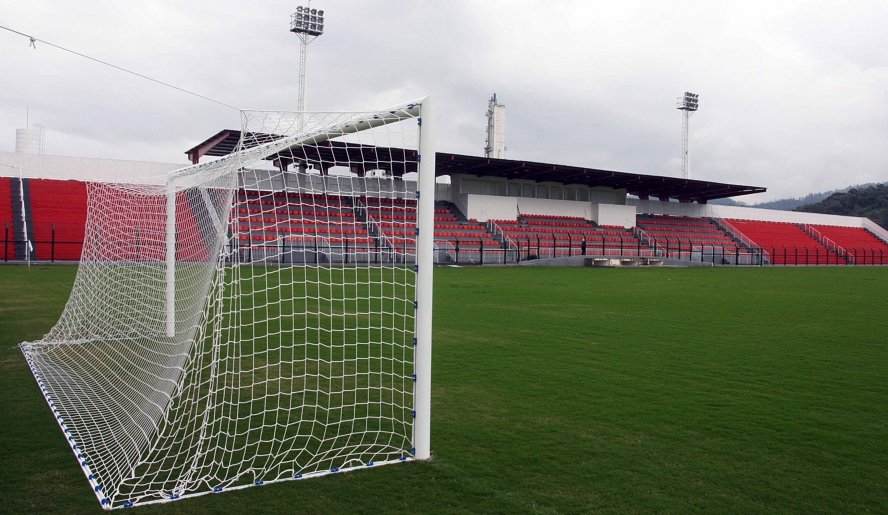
790 204
871 202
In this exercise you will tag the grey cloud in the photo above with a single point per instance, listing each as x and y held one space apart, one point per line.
794 96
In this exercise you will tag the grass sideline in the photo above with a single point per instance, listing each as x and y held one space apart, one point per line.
570 390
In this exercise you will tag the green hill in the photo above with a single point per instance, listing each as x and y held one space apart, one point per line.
871 202
789 204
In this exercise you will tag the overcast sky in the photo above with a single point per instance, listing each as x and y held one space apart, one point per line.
793 95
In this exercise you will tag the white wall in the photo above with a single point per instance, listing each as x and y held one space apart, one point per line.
611 214
603 195
442 192
485 207
461 201
542 206
44 166
742 213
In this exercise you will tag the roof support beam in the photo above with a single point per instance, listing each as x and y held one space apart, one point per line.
197 152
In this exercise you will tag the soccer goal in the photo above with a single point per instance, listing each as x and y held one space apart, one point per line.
261 317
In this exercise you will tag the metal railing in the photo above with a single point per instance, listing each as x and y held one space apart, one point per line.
828 243
737 233
496 230
804 255
312 249
445 253
651 242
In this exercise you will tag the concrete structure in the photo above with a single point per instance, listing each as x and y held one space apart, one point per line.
29 141
35 166
496 130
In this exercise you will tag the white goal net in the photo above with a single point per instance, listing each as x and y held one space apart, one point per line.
260 317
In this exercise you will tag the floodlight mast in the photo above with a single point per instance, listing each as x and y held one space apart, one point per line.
308 24
495 145
687 104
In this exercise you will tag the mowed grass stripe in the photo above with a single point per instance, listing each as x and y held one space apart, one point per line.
574 391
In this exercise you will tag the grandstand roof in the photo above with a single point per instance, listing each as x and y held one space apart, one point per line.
342 154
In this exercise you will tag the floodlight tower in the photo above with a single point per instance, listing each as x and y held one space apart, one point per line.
308 24
496 129
687 104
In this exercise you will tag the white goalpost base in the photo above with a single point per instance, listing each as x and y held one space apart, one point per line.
256 318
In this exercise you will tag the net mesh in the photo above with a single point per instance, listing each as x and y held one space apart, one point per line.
269 336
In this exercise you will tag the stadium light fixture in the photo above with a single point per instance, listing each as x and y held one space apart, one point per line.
308 24
307 21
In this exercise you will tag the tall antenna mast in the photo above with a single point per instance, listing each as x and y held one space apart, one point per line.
496 129
688 105
308 24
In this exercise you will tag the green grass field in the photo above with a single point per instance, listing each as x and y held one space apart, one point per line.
563 390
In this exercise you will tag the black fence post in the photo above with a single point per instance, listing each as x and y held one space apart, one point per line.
345 256
457 250
539 256
518 244
482 251
603 243
621 245
570 245
667 248
554 245
6 244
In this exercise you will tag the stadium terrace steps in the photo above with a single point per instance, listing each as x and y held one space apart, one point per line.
567 235
864 247
62 203
453 228
691 231
364 222
451 207
20 192
787 243
693 239
263 219
6 212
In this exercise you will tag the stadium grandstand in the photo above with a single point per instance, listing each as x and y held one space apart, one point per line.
492 211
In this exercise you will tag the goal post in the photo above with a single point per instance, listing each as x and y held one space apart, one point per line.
261 317
425 240
171 257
